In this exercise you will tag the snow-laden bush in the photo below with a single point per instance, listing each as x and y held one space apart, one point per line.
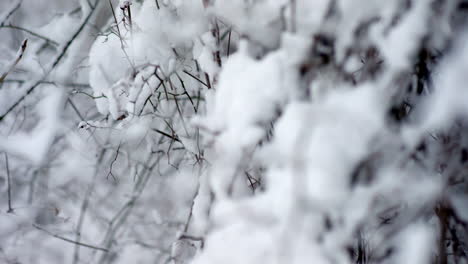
262 131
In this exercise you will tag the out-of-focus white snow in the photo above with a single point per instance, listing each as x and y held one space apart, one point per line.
34 145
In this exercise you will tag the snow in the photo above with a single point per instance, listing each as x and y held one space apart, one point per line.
405 37
418 245
154 140
34 145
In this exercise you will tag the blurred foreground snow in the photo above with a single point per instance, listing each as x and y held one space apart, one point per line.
267 131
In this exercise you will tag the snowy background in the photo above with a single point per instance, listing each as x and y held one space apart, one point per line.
240 131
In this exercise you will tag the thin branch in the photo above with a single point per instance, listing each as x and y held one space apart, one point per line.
10 209
189 237
229 43
89 3
76 85
48 40
207 77
122 215
293 15
75 109
19 55
84 206
253 182
186 93
149 97
441 213
57 60
179 110
175 138
162 82
69 240
196 78
129 13
113 161
10 12
89 95
119 35
116 23
189 218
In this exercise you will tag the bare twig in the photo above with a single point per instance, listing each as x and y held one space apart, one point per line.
89 95
32 33
229 42
178 109
207 77
84 206
189 237
293 15
196 78
441 213
75 109
186 93
113 161
10 209
76 85
19 55
190 215
148 99
116 23
69 240
175 137
122 215
163 85
10 12
119 35
57 60
128 14
89 3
